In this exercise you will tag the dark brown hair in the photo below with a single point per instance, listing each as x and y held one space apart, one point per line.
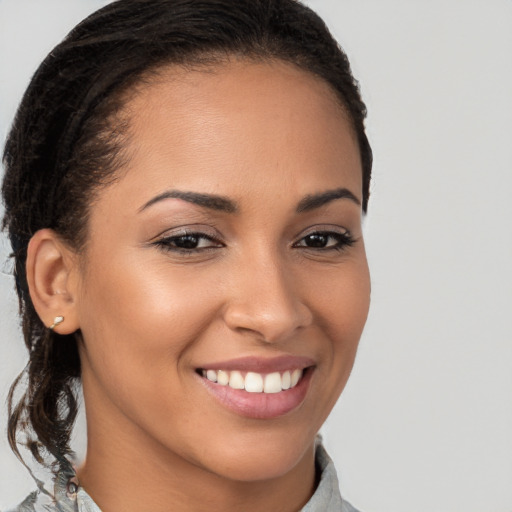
67 140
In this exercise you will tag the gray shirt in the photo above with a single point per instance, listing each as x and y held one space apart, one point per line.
70 497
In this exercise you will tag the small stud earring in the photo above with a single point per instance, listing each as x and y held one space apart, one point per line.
56 321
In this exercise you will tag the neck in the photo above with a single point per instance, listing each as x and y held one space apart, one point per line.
133 472
120 479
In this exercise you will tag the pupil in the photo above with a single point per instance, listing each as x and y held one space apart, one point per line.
187 242
316 240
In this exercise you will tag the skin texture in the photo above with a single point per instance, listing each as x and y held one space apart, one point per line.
263 135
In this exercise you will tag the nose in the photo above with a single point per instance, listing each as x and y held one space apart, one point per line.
264 300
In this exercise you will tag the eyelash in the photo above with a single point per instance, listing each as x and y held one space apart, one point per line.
343 240
168 244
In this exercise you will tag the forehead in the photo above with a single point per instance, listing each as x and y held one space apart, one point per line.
239 126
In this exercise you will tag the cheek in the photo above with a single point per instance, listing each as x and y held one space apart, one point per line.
341 299
140 322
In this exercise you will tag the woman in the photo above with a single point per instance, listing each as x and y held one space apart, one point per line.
184 189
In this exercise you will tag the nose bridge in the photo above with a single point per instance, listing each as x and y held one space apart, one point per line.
264 297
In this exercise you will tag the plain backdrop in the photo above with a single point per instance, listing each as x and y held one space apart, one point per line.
425 424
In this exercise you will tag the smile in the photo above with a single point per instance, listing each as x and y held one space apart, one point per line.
259 388
253 382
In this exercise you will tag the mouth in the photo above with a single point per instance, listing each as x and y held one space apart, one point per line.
258 388
254 382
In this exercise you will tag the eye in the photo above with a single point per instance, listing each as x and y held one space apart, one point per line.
326 240
188 242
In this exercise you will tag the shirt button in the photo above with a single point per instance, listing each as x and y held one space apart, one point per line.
72 489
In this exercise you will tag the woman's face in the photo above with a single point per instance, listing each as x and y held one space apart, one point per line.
230 249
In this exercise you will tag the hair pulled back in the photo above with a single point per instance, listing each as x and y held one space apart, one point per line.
67 137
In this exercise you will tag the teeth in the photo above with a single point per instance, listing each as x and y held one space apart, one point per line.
255 382
286 380
222 377
296 375
272 383
211 375
236 381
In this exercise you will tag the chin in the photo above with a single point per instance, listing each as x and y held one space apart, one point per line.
270 457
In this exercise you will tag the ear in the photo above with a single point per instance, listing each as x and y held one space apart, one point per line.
51 275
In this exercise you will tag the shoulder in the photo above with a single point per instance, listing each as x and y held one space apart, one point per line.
34 502
38 501
44 500
347 507
327 497
72 500
67 495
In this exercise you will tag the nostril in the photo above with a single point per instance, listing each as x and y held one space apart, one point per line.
270 322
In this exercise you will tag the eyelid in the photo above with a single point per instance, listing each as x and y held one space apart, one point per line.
344 238
209 240
323 228
188 229
170 246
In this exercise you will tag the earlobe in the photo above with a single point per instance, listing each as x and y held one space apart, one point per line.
50 263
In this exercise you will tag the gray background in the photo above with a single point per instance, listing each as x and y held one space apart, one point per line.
425 424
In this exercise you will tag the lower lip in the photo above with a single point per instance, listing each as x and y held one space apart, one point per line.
260 405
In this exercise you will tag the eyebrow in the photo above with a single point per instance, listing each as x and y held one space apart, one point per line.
313 201
224 204
214 202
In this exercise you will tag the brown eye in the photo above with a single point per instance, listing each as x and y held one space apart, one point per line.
316 240
188 242
326 240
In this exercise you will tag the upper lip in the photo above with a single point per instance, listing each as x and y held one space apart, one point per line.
261 364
